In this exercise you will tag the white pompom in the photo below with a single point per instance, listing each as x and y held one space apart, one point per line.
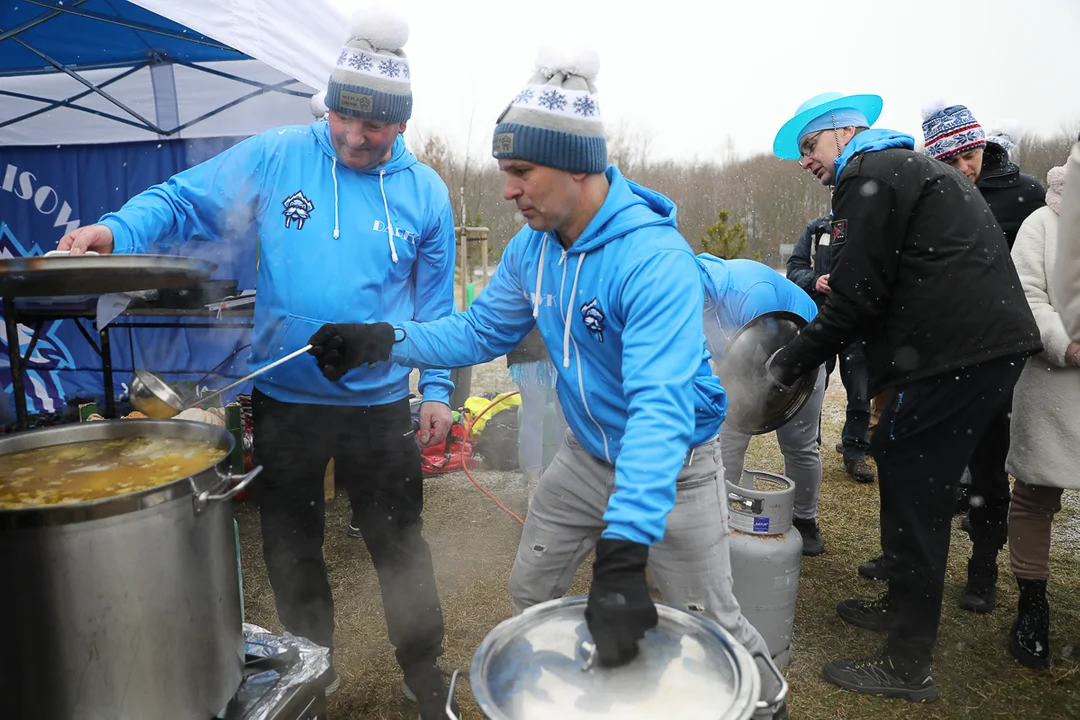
384 30
318 105
1011 129
933 108
569 61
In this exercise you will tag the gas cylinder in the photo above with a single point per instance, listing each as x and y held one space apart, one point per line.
766 553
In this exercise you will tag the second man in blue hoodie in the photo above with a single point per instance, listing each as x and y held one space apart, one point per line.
614 289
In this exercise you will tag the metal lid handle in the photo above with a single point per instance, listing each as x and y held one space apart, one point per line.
782 694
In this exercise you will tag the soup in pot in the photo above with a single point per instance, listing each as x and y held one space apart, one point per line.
90 470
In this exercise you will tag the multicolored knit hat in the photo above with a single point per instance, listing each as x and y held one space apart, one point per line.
555 119
371 77
950 131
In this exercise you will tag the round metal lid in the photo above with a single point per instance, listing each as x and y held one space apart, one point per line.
537 665
755 406
57 274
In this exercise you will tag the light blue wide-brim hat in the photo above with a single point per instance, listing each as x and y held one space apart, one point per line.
786 144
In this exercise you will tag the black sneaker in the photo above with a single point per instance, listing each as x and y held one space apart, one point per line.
859 471
812 542
840 447
354 532
426 687
874 569
867 614
980 593
876 675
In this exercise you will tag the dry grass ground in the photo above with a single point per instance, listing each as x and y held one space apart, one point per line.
474 545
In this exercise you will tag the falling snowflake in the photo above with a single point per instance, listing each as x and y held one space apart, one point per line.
360 62
389 68
553 100
524 97
585 106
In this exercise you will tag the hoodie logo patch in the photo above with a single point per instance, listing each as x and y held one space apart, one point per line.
298 208
593 317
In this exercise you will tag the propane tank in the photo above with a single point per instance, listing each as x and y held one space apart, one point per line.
766 553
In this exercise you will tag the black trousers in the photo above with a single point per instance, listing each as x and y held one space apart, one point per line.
926 436
855 437
989 491
379 466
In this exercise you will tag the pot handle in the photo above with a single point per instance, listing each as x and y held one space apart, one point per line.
203 499
782 694
450 697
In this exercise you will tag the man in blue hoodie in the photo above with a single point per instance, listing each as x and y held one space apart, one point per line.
736 292
351 228
927 283
614 289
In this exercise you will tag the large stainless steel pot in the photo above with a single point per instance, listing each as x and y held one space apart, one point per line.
539 665
125 608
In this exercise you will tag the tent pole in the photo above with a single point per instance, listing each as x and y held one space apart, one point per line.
131 25
75 76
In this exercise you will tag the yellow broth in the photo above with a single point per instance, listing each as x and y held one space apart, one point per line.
81 471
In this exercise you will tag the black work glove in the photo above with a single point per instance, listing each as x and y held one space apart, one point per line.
338 348
782 376
619 610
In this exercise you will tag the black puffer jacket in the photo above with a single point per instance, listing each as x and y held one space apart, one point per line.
921 272
1011 195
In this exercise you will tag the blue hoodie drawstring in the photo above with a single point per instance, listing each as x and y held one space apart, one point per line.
539 278
333 171
569 317
389 227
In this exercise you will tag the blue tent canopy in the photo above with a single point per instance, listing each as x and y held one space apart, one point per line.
35 34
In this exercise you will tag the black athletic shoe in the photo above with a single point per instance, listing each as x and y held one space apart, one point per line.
874 569
876 675
866 614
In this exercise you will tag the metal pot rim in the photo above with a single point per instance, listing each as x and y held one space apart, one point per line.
797 400
745 694
209 479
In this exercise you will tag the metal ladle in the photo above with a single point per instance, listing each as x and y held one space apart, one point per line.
153 397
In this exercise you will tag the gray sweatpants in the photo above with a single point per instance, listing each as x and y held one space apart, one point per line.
798 443
690 566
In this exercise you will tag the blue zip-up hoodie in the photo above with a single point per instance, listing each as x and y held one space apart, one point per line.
620 313
737 291
335 245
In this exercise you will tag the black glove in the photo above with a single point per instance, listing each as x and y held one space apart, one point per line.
619 610
781 376
340 348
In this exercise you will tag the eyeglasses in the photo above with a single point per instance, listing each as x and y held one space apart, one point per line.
809 143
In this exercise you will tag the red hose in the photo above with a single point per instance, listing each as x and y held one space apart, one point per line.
465 465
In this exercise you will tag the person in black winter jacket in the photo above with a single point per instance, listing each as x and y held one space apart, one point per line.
809 267
924 277
953 136
1011 195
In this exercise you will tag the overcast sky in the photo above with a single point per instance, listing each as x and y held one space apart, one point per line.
691 74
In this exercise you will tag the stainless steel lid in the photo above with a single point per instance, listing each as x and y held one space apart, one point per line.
537 665
755 406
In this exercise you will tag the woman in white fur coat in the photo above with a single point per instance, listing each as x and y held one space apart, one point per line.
1044 456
